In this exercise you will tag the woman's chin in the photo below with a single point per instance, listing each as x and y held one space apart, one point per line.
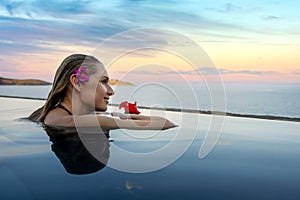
102 109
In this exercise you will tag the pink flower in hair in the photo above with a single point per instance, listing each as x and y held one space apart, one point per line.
81 75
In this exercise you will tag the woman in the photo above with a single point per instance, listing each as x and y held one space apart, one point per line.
81 87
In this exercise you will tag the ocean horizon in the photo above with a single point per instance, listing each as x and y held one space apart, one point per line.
248 99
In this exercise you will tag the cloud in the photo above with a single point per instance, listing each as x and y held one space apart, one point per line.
229 7
228 71
271 17
94 17
69 21
7 48
44 9
7 65
203 71
82 24
6 42
297 71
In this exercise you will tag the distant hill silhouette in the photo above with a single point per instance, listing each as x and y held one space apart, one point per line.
118 82
10 81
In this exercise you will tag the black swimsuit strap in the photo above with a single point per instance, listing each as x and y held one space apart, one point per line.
64 108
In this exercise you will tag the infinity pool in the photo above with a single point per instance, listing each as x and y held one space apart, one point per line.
253 159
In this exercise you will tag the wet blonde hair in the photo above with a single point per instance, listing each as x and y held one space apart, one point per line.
61 82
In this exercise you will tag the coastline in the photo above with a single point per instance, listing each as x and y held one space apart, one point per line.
37 82
204 112
11 81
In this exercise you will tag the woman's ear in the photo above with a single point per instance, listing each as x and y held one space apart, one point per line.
74 83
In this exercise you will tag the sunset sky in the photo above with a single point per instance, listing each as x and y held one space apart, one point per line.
251 40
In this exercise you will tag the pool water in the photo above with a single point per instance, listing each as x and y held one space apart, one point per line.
253 159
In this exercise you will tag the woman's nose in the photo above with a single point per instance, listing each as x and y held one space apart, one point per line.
110 91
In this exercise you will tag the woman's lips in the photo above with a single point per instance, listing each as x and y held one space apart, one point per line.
106 100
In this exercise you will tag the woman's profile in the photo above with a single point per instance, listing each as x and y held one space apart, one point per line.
81 87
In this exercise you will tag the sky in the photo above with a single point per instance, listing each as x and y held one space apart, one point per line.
241 41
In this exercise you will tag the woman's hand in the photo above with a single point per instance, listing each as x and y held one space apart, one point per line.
121 115
157 122
169 124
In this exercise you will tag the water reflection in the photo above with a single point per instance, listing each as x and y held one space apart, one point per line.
74 156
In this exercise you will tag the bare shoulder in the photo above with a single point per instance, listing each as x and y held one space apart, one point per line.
58 117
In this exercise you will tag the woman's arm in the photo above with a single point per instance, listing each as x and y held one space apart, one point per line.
123 121
133 116
132 122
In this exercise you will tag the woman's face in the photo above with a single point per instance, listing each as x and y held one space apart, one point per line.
96 92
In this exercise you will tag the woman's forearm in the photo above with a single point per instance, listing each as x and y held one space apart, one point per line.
137 122
135 117
148 123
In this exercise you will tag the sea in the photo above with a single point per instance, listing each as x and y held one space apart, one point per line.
256 99
252 158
